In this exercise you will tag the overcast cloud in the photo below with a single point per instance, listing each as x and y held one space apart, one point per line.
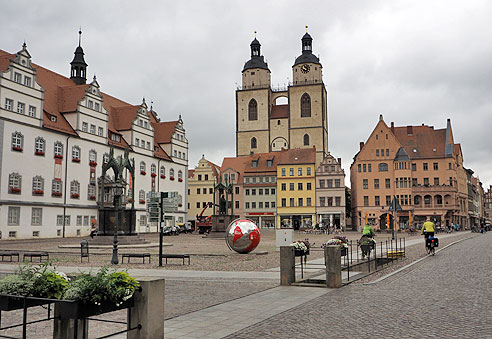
412 61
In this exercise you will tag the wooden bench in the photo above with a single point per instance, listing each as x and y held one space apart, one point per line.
39 255
177 256
135 255
9 255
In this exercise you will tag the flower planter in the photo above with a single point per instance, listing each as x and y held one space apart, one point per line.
143 172
78 310
14 190
15 302
300 253
92 197
171 178
142 201
38 153
38 192
17 149
153 175
75 160
56 194
74 195
343 251
180 180
92 163
163 177
58 156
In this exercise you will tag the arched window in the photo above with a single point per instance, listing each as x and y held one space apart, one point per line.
305 105
141 196
142 166
180 175
153 169
383 167
105 158
171 173
417 200
163 171
76 153
74 189
17 141
252 110
253 142
92 156
39 145
306 139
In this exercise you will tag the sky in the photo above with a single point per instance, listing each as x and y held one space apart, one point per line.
412 61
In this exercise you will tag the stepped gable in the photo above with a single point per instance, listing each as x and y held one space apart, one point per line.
423 139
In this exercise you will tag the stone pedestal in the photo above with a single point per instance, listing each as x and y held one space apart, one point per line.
148 310
333 261
283 237
219 224
287 265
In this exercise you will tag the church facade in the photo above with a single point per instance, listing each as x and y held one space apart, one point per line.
55 134
264 125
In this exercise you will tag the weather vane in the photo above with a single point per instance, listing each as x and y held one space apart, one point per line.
306 28
255 34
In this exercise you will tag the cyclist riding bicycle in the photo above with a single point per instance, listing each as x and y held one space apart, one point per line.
368 231
428 228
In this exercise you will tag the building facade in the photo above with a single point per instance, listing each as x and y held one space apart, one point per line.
419 166
55 134
487 199
265 123
296 195
330 193
201 182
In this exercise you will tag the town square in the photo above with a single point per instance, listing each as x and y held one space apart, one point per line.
245 170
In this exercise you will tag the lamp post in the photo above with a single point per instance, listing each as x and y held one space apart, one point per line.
118 190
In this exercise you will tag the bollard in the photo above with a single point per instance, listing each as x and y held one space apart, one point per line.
64 328
287 265
148 310
333 260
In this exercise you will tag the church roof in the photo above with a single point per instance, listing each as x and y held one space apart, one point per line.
279 112
256 62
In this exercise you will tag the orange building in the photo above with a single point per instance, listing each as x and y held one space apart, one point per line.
419 166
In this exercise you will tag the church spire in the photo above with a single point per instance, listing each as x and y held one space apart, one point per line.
78 66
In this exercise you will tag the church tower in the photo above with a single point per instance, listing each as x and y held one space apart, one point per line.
308 125
78 71
253 105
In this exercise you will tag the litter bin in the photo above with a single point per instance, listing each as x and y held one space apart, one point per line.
84 250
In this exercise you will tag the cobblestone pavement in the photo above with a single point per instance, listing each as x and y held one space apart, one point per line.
444 296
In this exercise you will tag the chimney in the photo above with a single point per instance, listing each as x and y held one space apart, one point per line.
361 145
339 160
392 127
409 130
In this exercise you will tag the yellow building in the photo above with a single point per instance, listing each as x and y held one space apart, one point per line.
201 187
271 119
296 194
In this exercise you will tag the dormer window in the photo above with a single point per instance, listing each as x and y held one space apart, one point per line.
269 163
254 163
115 137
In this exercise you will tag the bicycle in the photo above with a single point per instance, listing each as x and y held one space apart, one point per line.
430 245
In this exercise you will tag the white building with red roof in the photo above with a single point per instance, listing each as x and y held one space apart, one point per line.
55 133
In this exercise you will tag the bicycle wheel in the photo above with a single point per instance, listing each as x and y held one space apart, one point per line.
433 250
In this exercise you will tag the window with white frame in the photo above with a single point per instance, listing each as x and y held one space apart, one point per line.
142 143
76 153
92 156
58 148
9 104
137 142
100 131
67 220
171 172
91 192
36 216
105 158
59 220
21 107
17 141
175 153
32 111
15 183
39 145
38 184
148 145
86 220
85 126
143 220
18 77
163 170
27 81
75 189
142 166
96 106
90 104
13 216
180 175
153 169
79 221
56 187
93 129
141 195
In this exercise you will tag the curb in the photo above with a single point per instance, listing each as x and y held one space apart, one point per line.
413 263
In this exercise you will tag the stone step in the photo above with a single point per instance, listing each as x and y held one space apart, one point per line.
122 240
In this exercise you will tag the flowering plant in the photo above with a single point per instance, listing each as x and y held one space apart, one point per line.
153 175
367 241
39 192
334 242
39 153
58 156
142 201
302 246
180 180
143 172
172 178
92 197
75 160
15 190
18 149
163 176
92 163
74 195
42 281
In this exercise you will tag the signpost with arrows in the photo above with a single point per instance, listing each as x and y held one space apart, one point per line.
395 207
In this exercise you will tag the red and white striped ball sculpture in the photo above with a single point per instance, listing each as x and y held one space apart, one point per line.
242 236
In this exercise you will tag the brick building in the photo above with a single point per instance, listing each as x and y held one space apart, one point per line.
421 167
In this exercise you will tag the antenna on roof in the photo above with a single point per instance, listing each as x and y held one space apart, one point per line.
306 28
151 103
255 34
80 34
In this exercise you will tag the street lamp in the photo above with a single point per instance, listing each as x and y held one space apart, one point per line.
118 191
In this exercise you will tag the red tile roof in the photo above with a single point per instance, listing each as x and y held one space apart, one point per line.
422 142
279 111
191 173
297 156
61 95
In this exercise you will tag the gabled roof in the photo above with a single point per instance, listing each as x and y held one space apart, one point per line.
215 168
423 142
163 131
191 173
401 155
297 156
